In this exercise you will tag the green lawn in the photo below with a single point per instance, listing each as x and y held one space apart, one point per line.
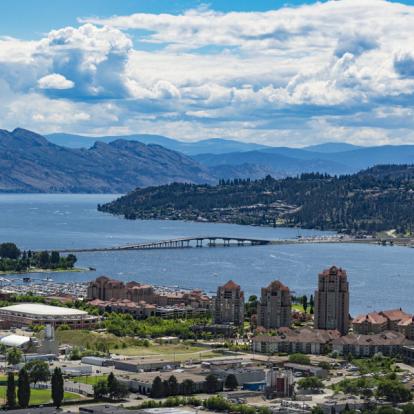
38 397
128 346
86 379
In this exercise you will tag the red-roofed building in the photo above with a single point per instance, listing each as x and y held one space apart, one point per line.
229 304
275 307
372 322
332 300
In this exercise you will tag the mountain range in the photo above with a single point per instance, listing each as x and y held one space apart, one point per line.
61 162
30 163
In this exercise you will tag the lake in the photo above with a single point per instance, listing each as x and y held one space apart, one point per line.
380 277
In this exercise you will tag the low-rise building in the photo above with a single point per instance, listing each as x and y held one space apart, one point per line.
31 314
372 322
279 383
142 382
388 320
145 364
307 370
388 343
306 341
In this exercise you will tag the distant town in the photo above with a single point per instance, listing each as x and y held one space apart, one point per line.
109 346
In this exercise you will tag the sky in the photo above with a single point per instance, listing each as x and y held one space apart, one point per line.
280 73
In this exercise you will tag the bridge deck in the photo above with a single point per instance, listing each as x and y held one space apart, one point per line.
226 241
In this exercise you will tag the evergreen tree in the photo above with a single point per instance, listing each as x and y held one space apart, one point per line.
305 303
172 385
11 391
231 382
157 390
23 391
100 390
211 384
57 387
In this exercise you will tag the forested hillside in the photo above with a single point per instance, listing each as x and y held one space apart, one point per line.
380 198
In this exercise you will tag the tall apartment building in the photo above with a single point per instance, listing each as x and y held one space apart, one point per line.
332 300
275 307
229 304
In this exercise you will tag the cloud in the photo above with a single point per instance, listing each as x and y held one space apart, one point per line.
335 70
55 81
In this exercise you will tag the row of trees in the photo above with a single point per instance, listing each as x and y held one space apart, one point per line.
25 377
13 259
171 387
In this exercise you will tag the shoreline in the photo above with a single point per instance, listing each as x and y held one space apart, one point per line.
36 270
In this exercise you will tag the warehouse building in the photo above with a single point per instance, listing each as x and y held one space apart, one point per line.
29 314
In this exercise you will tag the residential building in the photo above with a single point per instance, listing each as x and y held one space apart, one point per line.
388 343
229 304
305 341
388 320
372 322
406 327
332 300
275 307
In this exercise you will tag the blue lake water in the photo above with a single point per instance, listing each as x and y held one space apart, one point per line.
380 277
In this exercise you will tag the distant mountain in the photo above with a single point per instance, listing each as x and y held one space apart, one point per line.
212 146
331 147
291 161
278 162
30 163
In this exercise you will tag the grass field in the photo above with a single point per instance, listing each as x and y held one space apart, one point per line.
129 347
38 397
86 379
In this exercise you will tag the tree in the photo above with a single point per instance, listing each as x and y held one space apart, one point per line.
157 389
211 384
38 371
172 385
58 391
100 390
310 383
55 258
9 251
187 387
44 259
116 389
299 359
231 382
11 391
305 303
393 391
14 356
23 390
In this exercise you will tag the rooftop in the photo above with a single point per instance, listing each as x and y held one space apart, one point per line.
40 309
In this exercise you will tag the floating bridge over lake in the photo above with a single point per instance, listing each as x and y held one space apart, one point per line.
226 241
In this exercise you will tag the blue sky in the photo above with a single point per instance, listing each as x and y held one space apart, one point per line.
274 72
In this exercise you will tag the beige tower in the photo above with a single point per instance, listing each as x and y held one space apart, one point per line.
275 307
332 300
229 304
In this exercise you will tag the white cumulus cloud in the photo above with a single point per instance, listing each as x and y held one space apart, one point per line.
55 81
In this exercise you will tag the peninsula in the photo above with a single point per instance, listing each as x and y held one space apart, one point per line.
375 200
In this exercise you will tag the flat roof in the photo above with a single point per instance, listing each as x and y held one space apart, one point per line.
14 340
41 309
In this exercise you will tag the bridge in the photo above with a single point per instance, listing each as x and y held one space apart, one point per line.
226 241
179 243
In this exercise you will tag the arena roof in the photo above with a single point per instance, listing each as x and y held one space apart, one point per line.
14 340
43 310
